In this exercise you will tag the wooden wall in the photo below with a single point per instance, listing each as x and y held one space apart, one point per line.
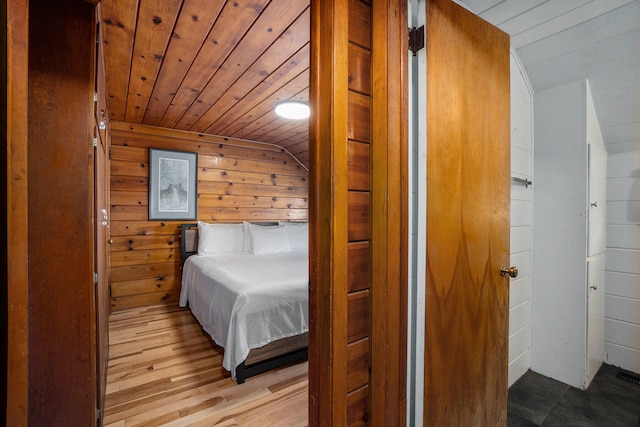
237 181
359 230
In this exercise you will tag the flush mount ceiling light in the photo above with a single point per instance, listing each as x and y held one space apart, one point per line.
292 110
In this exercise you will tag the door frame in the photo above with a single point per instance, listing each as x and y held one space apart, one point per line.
16 124
328 130
327 257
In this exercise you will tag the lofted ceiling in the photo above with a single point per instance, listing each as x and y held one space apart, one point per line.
560 41
220 67
209 66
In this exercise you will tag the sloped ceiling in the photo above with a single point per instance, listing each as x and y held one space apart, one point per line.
560 41
209 66
220 67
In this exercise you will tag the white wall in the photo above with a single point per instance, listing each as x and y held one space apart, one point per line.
622 311
521 208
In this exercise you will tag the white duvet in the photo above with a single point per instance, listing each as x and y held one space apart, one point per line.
246 301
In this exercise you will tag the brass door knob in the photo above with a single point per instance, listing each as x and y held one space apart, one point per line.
110 241
511 271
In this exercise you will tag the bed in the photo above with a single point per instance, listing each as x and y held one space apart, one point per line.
248 285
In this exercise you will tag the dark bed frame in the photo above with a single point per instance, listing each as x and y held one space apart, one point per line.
271 356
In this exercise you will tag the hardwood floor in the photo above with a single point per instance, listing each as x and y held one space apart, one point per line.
164 370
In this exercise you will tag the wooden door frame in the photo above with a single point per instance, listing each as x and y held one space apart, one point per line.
328 133
328 233
16 121
389 213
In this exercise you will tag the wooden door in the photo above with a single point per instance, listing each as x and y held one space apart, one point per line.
62 348
468 167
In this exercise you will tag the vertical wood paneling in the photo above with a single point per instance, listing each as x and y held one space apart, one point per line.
389 214
15 123
62 346
328 213
358 148
237 181
344 150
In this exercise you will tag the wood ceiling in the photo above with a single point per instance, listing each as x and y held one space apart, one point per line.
220 67
209 66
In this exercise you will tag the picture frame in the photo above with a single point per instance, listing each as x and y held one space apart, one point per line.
173 185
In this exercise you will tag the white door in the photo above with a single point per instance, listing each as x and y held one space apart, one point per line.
595 321
597 197
595 256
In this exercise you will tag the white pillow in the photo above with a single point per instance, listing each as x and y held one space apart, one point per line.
219 238
298 234
247 236
268 239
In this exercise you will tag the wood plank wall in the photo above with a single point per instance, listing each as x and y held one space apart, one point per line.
359 134
237 181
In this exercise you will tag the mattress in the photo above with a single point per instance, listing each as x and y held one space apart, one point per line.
246 301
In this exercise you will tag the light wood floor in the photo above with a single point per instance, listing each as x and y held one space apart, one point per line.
164 370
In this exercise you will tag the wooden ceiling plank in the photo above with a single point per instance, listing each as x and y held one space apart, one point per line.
299 142
273 21
155 24
224 36
297 147
261 125
289 133
290 41
293 145
299 85
290 129
297 67
118 29
267 122
196 20
302 157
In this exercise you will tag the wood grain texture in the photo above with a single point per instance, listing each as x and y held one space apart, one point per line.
62 346
328 213
340 136
389 216
218 67
165 370
237 181
468 173
15 122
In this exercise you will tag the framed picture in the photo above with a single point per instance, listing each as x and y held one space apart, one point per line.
173 181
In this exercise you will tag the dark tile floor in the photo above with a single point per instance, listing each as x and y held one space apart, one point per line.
535 400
